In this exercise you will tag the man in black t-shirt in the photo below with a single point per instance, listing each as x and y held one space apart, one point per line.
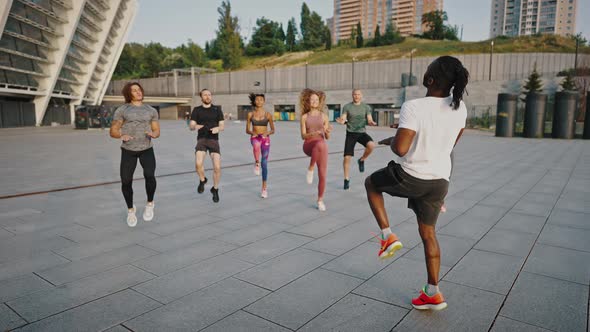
207 119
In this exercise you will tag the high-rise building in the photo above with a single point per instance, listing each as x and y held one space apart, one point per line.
406 15
529 17
58 53
369 13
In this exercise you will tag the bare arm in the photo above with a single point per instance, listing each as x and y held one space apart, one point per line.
155 127
220 127
370 120
327 127
271 123
342 119
115 130
249 124
402 141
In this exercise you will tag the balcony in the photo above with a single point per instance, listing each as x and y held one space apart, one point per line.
25 55
95 11
34 24
30 40
23 71
43 10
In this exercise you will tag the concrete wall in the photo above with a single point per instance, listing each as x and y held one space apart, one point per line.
481 95
384 74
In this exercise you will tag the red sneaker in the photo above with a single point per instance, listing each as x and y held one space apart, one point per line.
389 246
425 302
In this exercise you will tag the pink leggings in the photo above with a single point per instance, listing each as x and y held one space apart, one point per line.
317 149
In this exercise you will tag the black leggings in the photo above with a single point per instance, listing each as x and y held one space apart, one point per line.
147 159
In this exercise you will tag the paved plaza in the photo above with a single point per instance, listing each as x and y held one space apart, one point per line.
515 239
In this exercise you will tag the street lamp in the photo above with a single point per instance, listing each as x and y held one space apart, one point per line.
352 81
411 59
491 57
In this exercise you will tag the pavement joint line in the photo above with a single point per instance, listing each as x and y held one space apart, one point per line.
100 184
539 235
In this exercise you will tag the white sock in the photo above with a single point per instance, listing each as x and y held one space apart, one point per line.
431 289
386 232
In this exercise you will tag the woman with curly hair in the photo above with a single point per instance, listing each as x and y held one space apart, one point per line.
257 127
315 130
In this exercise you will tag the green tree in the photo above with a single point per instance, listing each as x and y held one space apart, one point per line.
435 27
174 61
228 37
391 35
533 83
328 39
568 83
151 62
451 32
266 39
377 40
290 39
312 28
192 53
359 35
353 33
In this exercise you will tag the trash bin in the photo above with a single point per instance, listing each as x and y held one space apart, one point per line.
506 114
564 125
534 115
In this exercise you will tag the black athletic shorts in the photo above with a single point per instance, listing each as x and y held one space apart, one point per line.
425 197
208 144
352 139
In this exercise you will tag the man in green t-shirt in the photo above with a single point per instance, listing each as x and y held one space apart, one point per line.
356 116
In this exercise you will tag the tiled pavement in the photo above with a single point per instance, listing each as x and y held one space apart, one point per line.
515 248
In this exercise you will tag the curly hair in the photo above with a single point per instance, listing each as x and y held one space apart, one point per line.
253 96
448 72
304 100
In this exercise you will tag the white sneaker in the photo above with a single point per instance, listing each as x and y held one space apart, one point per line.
131 218
321 206
264 193
309 178
148 213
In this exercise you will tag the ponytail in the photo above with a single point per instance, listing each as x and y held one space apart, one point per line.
461 80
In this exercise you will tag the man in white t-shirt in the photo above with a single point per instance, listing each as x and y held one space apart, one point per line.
429 128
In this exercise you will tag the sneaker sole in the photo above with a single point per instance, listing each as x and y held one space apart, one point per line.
390 251
434 307
148 219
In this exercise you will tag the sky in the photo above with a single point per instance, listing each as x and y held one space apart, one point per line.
174 22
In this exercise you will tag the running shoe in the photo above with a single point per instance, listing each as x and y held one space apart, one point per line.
148 213
321 206
264 193
131 218
361 165
425 302
215 193
389 246
346 184
309 178
201 186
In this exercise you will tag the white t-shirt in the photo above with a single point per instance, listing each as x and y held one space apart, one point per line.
436 125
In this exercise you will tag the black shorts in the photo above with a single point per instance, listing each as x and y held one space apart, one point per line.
352 139
208 144
425 197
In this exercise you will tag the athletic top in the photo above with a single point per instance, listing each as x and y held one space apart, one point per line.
208 118
356 116
261 123
137 121
314 123
437 126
